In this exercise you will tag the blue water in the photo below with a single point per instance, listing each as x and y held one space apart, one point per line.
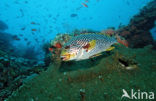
63 16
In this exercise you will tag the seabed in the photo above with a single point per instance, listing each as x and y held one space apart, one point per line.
99 79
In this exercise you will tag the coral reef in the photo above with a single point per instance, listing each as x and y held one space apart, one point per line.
14 70
104 80
6 42
137 33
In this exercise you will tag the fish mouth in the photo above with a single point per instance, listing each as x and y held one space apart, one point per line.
65 57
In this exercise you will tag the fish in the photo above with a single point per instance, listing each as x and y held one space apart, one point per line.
33 29
86 1
86 46
22 13
15 37
85 5
26 2
21 35
23 28
73 15
33 22
25 39
28 43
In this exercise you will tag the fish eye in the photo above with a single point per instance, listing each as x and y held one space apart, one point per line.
67 47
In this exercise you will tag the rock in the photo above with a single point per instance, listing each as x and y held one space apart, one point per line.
137 33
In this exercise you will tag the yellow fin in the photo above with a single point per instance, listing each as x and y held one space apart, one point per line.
92 44
110 48
95 55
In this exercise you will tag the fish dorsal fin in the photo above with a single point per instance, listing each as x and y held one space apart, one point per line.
107 35
95 55
110 48
91 44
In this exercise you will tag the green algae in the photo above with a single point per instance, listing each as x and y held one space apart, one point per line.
103 81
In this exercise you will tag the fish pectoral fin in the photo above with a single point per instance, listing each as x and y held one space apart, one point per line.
95 55
110 48
92 44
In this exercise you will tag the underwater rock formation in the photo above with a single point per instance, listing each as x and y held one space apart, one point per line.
55 48
6 40
99 82
30 53
14 70
137 33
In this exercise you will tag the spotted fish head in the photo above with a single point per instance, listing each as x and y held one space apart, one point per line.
69 53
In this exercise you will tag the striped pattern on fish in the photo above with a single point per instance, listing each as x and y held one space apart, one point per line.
86 45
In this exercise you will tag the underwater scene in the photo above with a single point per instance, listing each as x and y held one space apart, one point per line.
77 50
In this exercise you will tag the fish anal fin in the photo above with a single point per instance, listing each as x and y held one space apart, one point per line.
95 55
110 48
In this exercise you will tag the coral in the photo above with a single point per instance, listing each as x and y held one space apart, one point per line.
14 70
109 31
55 47
104 80
137 33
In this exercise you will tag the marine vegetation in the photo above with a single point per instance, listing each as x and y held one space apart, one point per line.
97 82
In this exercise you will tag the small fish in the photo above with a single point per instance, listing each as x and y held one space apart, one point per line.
15 37
21 35
36 40
28 43
33 33
86 46
86 1
22 13
43 40
49 15
23 28
25 39
85 5
33 23
124 42
26 2
33 29
73 15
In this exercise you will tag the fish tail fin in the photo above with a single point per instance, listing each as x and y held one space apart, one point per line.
122 41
